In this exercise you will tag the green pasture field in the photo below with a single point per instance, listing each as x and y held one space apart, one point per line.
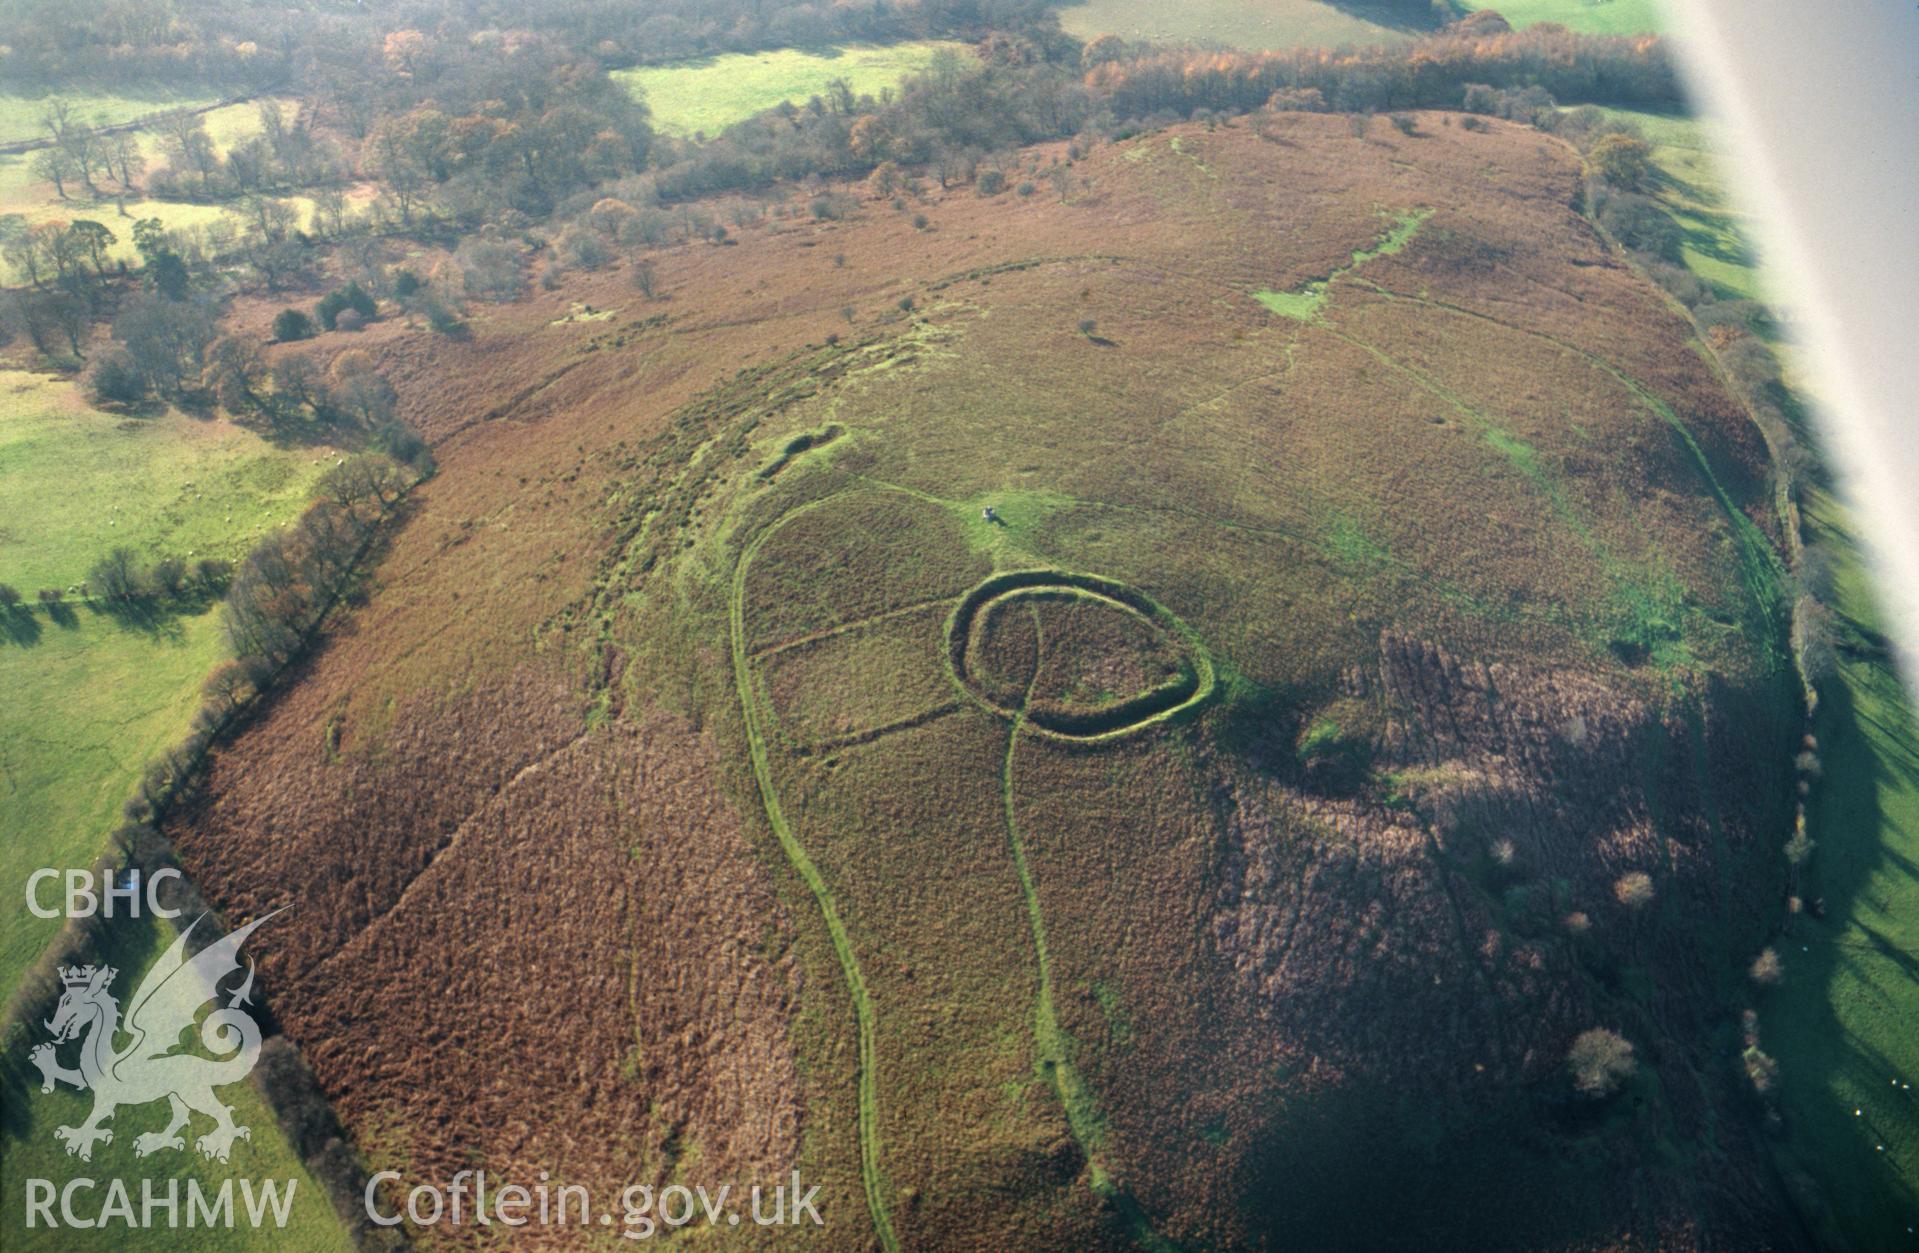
32 1152
1253 24
1264 24
20 112
22 193
91 695
708 94
1844 1024
76 482
90 700
1591 17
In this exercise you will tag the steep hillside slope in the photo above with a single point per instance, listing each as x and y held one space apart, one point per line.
1120 719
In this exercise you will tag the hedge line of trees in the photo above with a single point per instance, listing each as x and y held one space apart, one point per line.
249 46
276 605
286 584
122 578
1028 88
78 157
1620 186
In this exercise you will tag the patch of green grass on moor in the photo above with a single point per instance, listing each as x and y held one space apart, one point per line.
31 1152
1304 303
706 95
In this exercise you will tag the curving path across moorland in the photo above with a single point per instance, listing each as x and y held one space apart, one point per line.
1052 1044
871 1175
1193 686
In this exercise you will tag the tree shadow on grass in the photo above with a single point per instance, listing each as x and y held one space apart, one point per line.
290 426
154 618
1719 242
1863 750
1415 17
1665 182
20 626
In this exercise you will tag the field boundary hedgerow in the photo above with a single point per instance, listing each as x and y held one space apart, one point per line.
291 1092
16 147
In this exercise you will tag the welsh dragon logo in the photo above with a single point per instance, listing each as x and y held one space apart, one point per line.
153 1064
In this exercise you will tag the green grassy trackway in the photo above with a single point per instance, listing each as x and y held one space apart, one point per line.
871 1174
1052 1045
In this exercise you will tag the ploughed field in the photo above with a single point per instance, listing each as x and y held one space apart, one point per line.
1185 853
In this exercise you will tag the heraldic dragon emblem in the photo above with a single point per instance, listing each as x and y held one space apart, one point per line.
155 1063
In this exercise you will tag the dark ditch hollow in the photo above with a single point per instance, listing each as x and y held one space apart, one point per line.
1189 688
805 441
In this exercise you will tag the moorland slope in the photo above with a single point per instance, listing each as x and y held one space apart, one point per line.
1376 579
